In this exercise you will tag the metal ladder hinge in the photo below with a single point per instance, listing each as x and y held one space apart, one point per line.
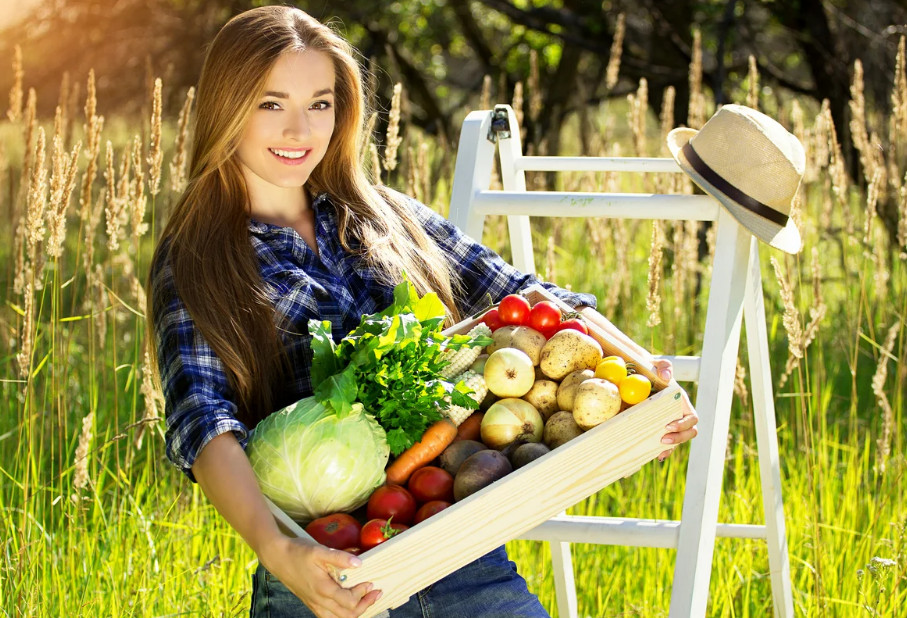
500 124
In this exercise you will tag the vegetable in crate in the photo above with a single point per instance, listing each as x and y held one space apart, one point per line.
461 359
474 382
392 364
312 461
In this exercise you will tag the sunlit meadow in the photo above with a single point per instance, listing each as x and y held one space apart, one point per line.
95 522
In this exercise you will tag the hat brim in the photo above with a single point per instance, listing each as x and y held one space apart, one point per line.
786 238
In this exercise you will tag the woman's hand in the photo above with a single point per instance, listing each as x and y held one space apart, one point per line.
681 430
306 568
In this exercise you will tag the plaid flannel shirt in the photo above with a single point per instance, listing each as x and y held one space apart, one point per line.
332 286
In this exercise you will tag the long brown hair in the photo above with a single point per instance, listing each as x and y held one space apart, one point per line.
207 238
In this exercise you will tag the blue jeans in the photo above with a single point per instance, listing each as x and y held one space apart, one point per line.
489 587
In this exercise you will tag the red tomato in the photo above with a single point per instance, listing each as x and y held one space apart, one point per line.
376 531
544 317
575 324
492 319
391 501
431 483
430 508
338 530
514 309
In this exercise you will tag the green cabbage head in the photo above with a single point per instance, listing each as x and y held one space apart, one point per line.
312 462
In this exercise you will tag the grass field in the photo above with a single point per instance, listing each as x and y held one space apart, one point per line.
95 522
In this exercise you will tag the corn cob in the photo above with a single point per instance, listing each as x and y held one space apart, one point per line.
461 359
474 381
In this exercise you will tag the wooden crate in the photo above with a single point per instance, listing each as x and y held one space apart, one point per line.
526 497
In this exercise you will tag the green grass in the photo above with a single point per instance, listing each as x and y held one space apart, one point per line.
140 540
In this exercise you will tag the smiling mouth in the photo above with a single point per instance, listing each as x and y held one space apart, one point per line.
293 155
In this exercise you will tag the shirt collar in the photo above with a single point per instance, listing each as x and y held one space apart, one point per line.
259 227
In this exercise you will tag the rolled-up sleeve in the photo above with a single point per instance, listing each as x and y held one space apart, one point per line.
198 399
482 271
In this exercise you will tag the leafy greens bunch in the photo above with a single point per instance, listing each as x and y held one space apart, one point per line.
391 364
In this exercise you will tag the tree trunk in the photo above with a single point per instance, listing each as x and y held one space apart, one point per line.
824 55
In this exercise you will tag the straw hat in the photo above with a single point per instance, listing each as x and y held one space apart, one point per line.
749 163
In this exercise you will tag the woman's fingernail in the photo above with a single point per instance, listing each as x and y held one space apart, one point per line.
671 427
667 440
355 562
380 592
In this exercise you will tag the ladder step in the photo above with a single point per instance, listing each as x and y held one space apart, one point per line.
624 531
669 206
596 164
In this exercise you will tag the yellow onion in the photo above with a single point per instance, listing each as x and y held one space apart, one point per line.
508 419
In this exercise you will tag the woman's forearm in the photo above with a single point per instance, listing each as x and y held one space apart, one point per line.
225 475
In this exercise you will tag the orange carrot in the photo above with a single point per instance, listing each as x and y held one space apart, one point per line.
433 442
470 429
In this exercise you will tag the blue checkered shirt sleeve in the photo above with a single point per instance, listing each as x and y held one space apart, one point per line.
198 399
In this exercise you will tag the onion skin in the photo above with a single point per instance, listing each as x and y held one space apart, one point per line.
509 419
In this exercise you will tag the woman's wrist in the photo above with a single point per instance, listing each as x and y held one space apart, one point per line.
271 547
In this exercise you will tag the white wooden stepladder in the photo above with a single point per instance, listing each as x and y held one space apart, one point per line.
735 290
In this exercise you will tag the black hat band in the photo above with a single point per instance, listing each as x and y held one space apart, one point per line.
712 177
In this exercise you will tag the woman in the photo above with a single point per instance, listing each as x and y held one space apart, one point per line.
279 225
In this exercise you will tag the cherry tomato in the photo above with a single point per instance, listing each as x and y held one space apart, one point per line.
544 317
338 530
612 368
635 388
430 508
391 501
431 483
376 531
576 324
514 310
492 319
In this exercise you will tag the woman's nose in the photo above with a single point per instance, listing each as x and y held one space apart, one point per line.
297 126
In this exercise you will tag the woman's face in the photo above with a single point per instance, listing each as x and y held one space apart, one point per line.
288 133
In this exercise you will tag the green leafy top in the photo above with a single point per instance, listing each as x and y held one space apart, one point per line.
391 364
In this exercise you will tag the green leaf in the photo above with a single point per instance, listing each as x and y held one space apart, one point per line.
398 441
338 392
429 308
324 360
459 396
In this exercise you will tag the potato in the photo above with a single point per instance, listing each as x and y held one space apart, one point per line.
569 350
567 388
596 401
522 338
559 429
543 395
